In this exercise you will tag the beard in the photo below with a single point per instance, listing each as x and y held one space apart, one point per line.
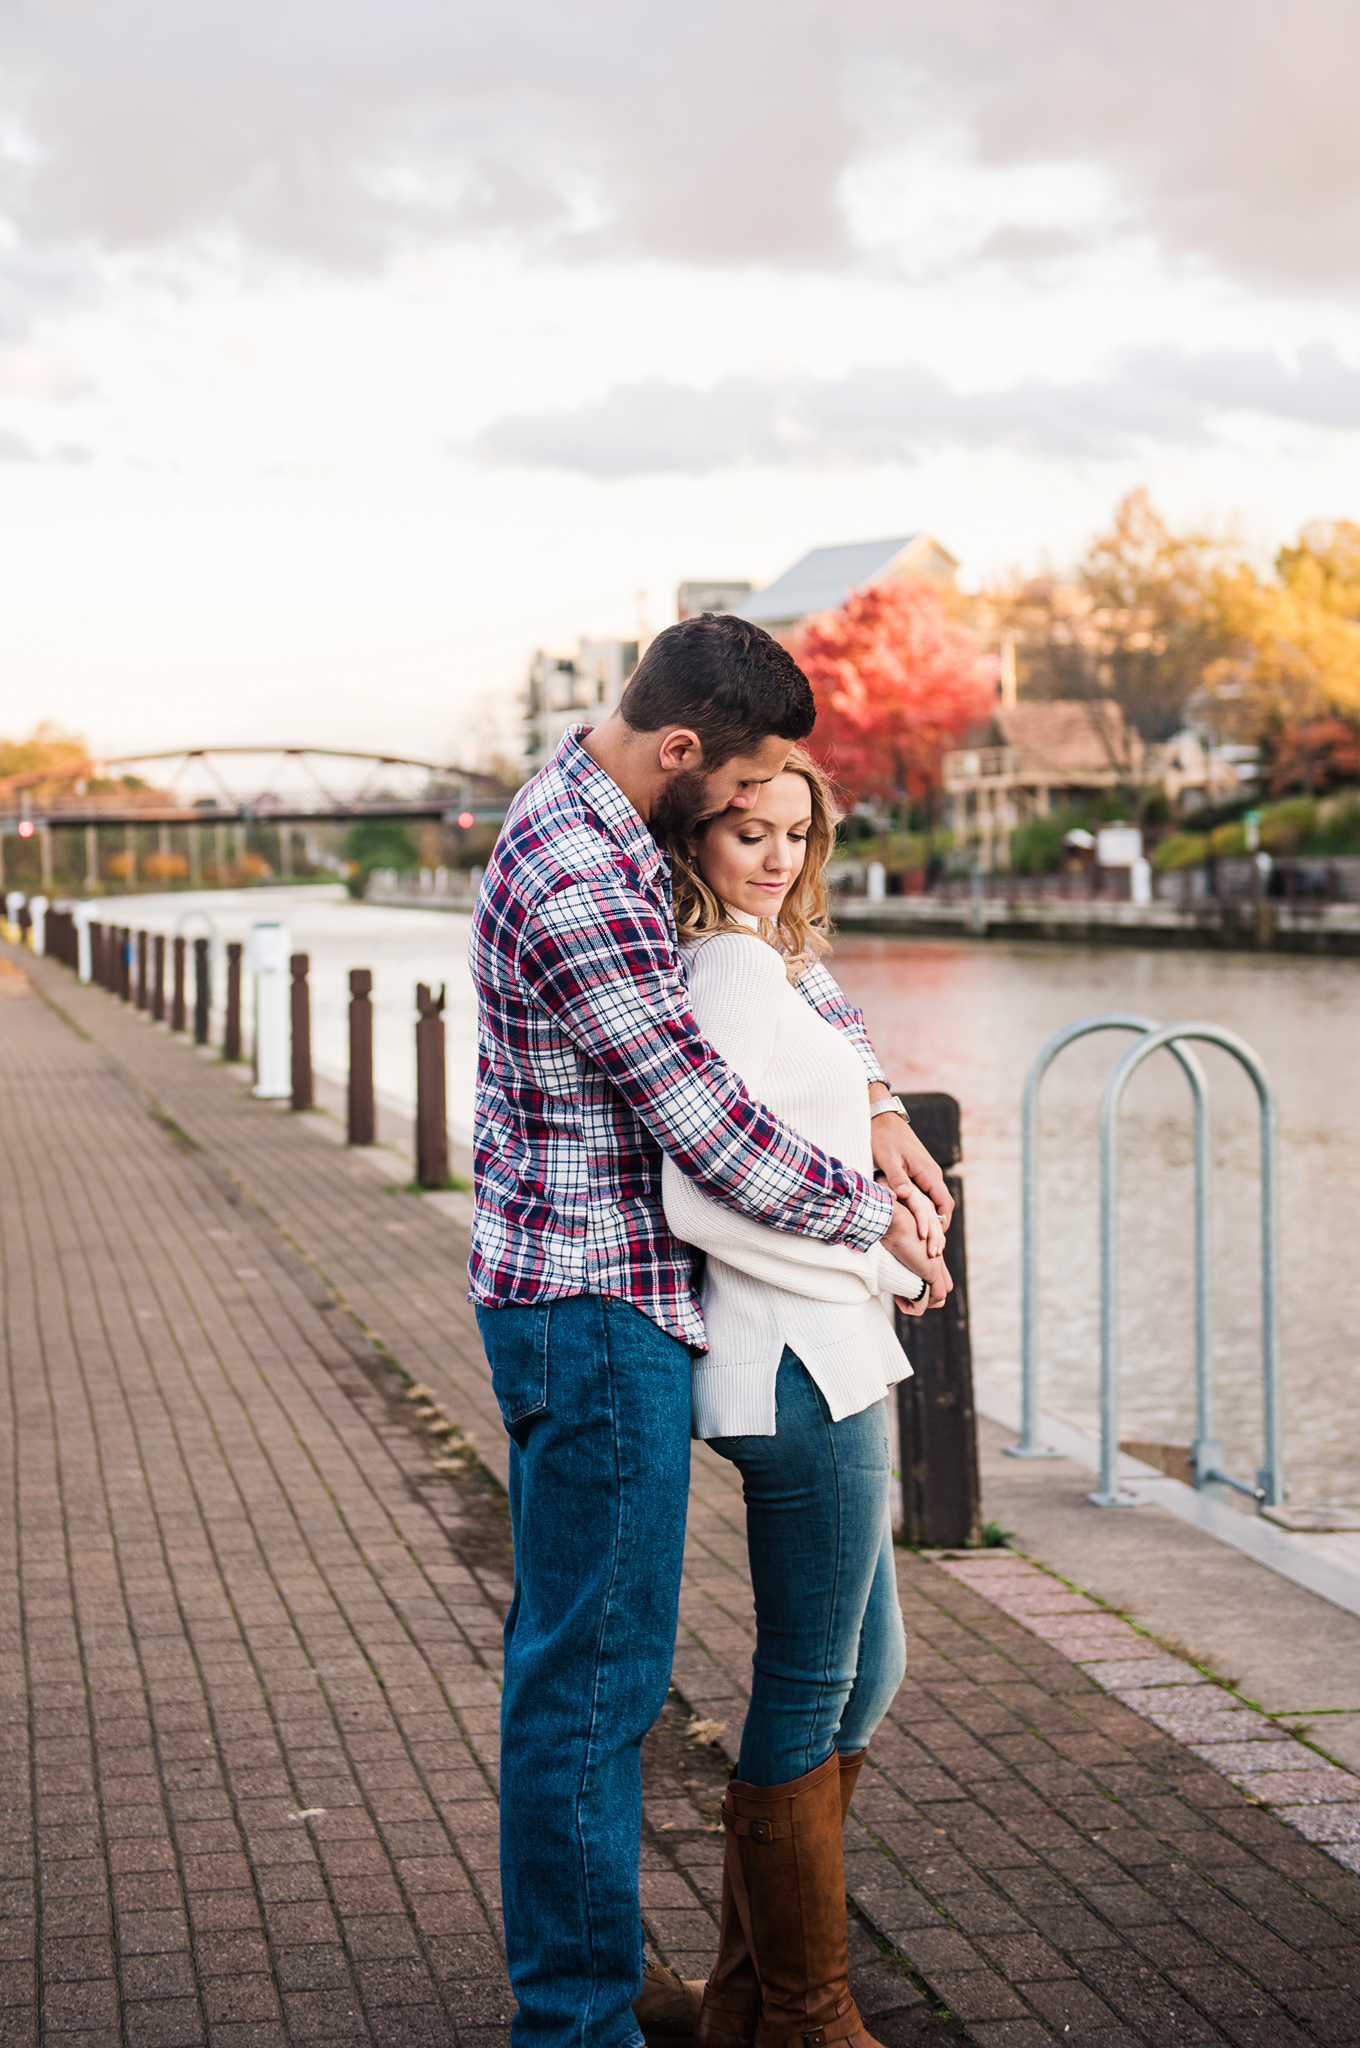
682 804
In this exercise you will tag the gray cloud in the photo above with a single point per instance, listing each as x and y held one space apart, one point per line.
715 133
894 415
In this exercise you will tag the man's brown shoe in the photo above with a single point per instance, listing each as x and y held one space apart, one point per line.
667 2006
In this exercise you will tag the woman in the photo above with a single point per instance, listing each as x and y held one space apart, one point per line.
792 1390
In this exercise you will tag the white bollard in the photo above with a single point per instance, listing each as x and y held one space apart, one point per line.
875 881
82 915
14 903
266 958
1140 881
37 910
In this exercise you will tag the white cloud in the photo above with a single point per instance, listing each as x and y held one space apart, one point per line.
883 414
728 131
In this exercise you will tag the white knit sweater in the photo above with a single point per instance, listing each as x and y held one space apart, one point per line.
765 1288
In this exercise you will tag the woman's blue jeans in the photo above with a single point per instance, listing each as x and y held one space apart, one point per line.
597 1402
830 1651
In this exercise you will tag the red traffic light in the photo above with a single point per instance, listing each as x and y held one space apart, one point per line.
465 819
27 828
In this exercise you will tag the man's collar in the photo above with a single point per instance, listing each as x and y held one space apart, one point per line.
619 819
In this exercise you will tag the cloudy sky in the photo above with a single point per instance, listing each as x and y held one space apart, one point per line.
350 349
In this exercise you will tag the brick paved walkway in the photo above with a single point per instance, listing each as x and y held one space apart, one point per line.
249 1701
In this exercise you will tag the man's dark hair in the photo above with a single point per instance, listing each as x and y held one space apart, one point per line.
727 679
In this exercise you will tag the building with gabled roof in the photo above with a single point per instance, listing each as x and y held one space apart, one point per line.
825 577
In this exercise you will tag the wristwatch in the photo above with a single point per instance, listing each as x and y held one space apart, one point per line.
890 1105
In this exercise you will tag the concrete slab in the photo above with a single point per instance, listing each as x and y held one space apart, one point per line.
1293 1652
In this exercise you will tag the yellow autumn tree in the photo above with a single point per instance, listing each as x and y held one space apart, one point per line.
47 746
1299 633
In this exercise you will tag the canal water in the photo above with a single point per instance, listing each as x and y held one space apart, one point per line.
968 1017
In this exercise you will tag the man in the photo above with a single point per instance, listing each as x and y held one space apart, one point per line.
590 1066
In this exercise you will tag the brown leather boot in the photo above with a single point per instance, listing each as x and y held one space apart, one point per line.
667 2006
788 1882
731 2007
852 1762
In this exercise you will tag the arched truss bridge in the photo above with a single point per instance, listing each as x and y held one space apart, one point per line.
247 785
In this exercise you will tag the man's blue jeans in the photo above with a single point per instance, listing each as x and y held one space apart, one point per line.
597 1402
830 1651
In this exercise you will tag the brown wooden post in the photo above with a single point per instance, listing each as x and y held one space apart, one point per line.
158 979
941 1502
302 1032
177 995
432 1125
362 1120
125 962
202 991
96 954
231 1040
141 970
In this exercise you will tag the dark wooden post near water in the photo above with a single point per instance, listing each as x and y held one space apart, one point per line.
97 954
125 962
941 1505
202 991
177 989
432 1121
141 970
158 979
302 1032
231 1037
361 1119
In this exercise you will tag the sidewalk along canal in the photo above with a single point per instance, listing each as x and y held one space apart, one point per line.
233 1576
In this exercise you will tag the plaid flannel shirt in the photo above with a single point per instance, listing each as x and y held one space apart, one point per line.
590 1065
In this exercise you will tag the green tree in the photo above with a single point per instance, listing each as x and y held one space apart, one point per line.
377 843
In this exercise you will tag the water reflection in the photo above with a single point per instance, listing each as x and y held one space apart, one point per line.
969 1018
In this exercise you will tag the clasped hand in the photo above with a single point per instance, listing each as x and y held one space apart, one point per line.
915 1237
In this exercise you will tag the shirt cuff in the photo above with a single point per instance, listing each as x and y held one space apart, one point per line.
872 1070
870 1214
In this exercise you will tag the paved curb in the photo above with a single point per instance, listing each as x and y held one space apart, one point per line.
1261 1756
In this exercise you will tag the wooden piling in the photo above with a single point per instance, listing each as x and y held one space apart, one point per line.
177 1019
125 962
202 991
302 1032
141 971
432 1129
158 979
941 1501
231 1038
362 1119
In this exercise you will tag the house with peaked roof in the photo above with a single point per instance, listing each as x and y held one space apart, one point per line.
1031 759
825 577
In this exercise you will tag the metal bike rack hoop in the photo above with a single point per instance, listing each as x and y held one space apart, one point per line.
1109 1020
1269 1488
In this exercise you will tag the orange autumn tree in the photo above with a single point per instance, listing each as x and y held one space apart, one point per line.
897 683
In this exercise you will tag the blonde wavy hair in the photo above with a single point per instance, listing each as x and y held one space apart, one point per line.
802 929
